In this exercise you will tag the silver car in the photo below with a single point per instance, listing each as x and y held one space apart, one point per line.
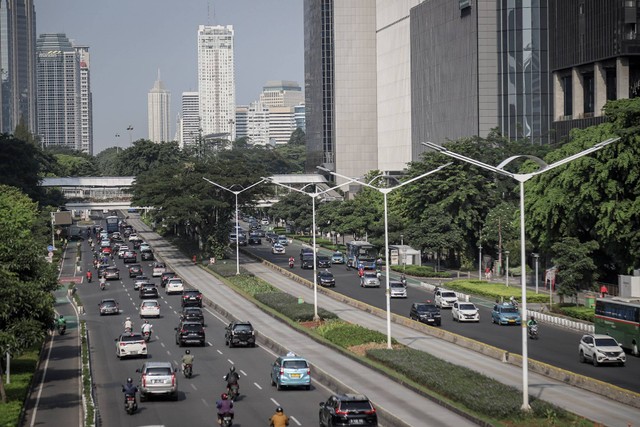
370 280
158 379
397 289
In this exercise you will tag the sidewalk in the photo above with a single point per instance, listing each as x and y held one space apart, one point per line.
410 407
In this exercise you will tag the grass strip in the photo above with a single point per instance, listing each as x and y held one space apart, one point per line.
23 368
493 291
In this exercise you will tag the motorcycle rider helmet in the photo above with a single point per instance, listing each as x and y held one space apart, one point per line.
187 352
232 369
279 409
129 380
61 317
533 319
128 318
146 321
224 396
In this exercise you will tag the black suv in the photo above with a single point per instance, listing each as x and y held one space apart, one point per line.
426 313
190 333
192 314
254 239
239 333
148 291
306 261
146 255
323 261
191 298
165 277
347 410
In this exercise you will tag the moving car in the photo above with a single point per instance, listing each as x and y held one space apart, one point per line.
277 248
465 312
108 306
139 281
174 286
505 314
600 349
165 277
239 333
135 270
397 289
130 344
290 371
306 261
149 308
158 269
347 410
192 314
148 290
337 258
190 333
282 239
146 254
130 256
191 298
445 298
370 280
254 239
158 378
323 261
112 273
425 312
325 278
122 250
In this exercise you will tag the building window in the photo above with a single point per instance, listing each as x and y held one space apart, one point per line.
611 84
588 92
567 89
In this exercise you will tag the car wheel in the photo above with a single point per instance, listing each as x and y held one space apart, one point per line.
634 349
594 359
175 397
278 386
272 381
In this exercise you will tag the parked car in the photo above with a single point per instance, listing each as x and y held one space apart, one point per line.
600 349
277 248
445 298
337 258
148 291
174 286
425 312
192 314
135 270
130 344
397 289
290 371
191 298
347 410
370 280
239 333
323 261
158 269
108 306
149 308
465 312
325 278
158 378
190 333
505 314
139 281
112 273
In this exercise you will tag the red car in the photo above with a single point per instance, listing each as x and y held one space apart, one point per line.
106 251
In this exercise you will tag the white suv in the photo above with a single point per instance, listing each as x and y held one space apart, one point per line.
600 349
465 312
174 286
445 298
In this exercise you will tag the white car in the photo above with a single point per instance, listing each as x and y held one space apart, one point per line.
277 248
265 221
139 281
149 308
105 243
465 312
158 269
174 286
144 247
131 344
133 236
122 250
601 349
370 280
397 289
445 298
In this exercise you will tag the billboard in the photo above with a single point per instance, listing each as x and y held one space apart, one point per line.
62 218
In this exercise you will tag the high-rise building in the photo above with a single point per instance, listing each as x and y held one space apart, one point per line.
216 81
59 94
282 123
189 119
281 93
17 65
252 122
158 112
86 102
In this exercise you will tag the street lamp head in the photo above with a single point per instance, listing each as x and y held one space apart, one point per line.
535 255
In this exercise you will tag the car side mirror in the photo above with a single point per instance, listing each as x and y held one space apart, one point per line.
116 339
322 404
175 329
138 370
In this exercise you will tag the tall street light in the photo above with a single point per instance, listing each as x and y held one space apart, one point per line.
313 196
236 193
479 261
536 257
385 191
507 269
522 178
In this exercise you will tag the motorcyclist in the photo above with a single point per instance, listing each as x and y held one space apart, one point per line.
224 406
128 325
89 276
403 279
231 378
146 327
62 322
187 359
129 390
291 261
279 419
513 301
532 322
103 282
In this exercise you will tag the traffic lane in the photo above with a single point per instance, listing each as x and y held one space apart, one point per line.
556 346
256 388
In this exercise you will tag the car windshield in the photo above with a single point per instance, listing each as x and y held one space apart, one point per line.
355 405
131 338
294 364
467 307
322 258
149 303
158 372
108 304
370 275
509 309
448 294
426 308
606 342
242 328
396 285
193 311
192 327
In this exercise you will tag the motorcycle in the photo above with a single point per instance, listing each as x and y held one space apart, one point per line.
62 329
147 336
188 370
89 277
233 390
403 280
130 404
227 420
533 332
290 264
102 286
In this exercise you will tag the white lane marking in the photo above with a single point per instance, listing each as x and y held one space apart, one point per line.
162 344
230 361
243 372
219 352
294 420
193 387
175 312
275 402
205 402
210 343
257 385
168 352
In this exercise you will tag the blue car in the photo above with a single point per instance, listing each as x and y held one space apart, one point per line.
505 314
290 371
337 258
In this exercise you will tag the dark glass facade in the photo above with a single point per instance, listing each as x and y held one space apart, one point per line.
524 83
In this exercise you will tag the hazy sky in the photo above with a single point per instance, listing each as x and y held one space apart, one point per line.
129 40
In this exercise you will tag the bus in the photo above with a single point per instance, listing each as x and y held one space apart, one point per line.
112 224
619 318
361 253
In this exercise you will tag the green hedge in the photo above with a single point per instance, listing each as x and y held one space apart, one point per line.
347 334
252 285
227 268
290 306
474 390
576 312
420 271
494 290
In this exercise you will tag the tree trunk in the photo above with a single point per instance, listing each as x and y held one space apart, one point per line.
3 392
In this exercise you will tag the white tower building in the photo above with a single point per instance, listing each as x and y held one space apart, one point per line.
216 81
86 107
158 112
190 119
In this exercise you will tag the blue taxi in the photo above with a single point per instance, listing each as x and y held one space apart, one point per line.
505 314
290 371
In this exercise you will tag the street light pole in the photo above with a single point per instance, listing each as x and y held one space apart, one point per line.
479 261
313 196
536 256
236 193
507 270
384 192
522 178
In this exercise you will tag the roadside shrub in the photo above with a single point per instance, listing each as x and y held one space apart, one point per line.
227 269
22 370
474 390
420 271
576 312
252 285
347 334
493 290
290 307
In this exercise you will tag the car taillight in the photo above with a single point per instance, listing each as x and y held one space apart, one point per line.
281 371
173 380
371 411
308 371
339 412
122 344
144 380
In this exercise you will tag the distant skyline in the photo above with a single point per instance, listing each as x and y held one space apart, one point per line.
129 41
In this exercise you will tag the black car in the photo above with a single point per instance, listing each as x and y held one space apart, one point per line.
165 277
325 278
135 270
239 333
271 237
254 239
306 251
323 261
260 232
192 314
148 291
306 261
191 298
425 312
130 256
146 255
347 410
190 333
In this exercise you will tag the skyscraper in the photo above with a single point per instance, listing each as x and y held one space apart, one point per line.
86 102
189 119
17 65
158 112
58 82
281 93
216 81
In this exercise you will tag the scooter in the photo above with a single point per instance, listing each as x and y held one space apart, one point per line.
130 404
533 332
290 264
227 419
188 370
102 286
89 279
233 391
62 329
147 336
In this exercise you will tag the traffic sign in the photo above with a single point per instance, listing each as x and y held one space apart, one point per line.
50 248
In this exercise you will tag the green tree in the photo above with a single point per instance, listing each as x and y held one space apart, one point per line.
298 137
576 269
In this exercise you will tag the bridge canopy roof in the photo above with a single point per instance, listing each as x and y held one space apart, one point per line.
302 178
88 181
